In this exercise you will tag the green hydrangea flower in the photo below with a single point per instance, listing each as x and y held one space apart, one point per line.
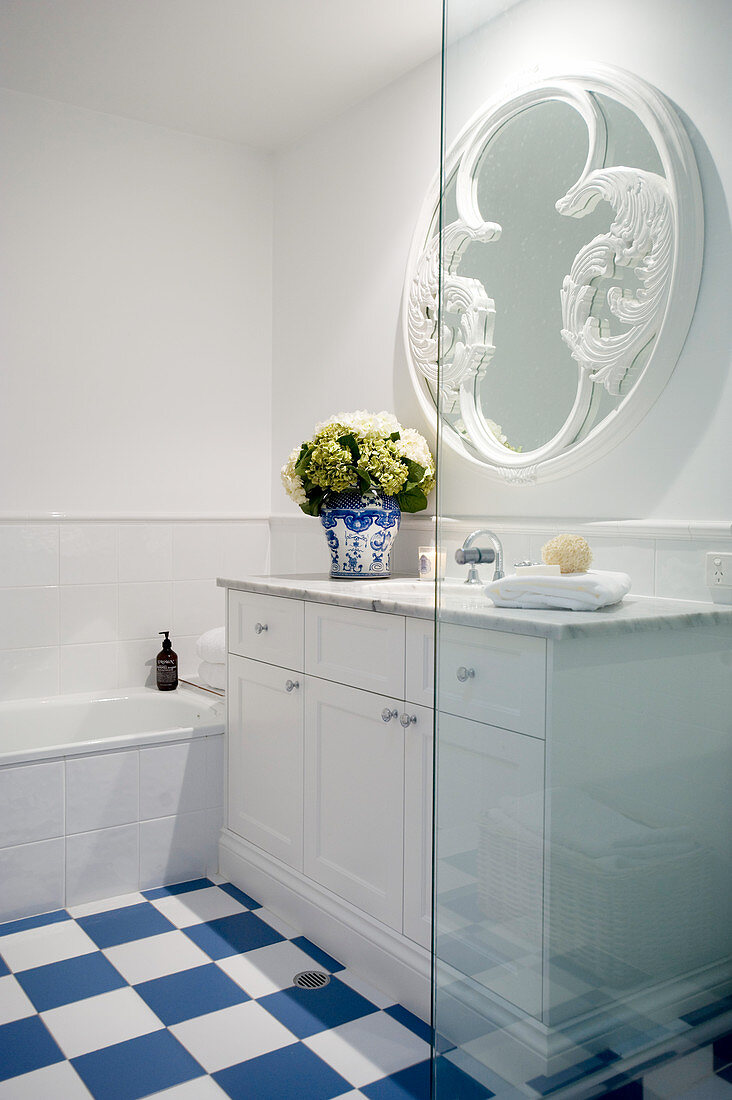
331 466
383 463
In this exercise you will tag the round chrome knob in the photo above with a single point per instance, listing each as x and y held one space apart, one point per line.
387 714
259 628
408 719
464 674
292 685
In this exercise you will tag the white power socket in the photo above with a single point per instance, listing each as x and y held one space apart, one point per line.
719 570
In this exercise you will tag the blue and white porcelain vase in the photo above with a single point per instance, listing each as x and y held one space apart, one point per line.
360 529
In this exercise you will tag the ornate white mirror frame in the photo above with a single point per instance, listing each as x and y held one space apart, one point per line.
657 230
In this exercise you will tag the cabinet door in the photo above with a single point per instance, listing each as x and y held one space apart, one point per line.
349 646
265 757
418 740
490 855
267 628
354 797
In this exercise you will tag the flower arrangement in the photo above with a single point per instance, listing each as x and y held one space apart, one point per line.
360 450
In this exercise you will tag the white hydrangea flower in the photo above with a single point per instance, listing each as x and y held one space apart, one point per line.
380 424
414 447
292 482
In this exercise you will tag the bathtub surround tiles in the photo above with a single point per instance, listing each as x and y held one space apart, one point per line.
81 603
77 830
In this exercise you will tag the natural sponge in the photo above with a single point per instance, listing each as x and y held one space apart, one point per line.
570 552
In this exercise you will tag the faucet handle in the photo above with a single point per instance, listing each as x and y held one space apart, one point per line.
475 555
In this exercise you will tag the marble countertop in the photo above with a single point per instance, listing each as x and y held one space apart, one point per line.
472 607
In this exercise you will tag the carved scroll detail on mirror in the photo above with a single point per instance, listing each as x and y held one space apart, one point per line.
641 236
622 305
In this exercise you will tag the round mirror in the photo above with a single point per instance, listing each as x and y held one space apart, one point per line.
568 267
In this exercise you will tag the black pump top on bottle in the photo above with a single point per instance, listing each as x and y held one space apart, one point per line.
167 644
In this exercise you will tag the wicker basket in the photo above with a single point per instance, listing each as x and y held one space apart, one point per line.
661 919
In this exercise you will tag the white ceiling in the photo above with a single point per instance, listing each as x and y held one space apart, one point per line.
261 72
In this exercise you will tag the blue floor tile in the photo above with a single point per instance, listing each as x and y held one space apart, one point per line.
190 993
451 1081
139 1067
74 979
309 1011
318 955
408 1019
409 1084
26 1045
135 922
547 1085
701 1015
631 1091
4 970
33 922
232 935
239 895
177 888
722 1051
292 1073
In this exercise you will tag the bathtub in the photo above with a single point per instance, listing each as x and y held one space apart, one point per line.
107 794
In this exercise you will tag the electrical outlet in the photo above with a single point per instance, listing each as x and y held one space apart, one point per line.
719 570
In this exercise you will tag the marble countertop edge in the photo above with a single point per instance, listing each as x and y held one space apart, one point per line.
634 614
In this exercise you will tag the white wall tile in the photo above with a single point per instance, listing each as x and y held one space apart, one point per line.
145 552
188 659
173 849
245 549
88 613
28 673
101 864
681 568
197 551
144 609
29 617
90 667
88 553
636 557
215 764
136 663
101 790
31 803
33 879
173 778
198 606
28 554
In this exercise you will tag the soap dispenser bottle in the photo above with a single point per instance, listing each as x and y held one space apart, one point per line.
166 665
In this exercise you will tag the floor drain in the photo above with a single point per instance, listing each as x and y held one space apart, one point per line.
311 979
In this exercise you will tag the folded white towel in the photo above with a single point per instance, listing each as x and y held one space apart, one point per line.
213 674
569 592
211 646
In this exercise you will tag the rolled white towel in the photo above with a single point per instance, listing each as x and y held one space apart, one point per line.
211 646
568 592
213 674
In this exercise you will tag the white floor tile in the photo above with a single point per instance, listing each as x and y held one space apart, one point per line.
366 989
232 1035
675 1077
267 969
154 956
57 1082
101 1021
711 1088
103 906
183 910
202 1088
51 943
14 1004
365 1050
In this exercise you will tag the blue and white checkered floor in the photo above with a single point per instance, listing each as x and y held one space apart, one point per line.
186 992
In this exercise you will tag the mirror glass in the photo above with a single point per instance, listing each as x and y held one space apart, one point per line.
533 160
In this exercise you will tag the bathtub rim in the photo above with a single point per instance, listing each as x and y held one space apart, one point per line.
119 742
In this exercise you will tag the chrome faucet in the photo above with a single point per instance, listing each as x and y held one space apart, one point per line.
475 555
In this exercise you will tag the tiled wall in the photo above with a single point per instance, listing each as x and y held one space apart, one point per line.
662 559
109 823
81 603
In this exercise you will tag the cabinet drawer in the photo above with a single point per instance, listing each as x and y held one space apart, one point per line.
364 649
420 662
266 628
493 677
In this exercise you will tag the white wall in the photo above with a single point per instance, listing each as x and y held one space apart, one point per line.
346 202
135 311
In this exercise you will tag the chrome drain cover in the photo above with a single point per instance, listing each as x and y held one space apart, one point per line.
311 979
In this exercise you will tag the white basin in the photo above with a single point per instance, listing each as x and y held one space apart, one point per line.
412 590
